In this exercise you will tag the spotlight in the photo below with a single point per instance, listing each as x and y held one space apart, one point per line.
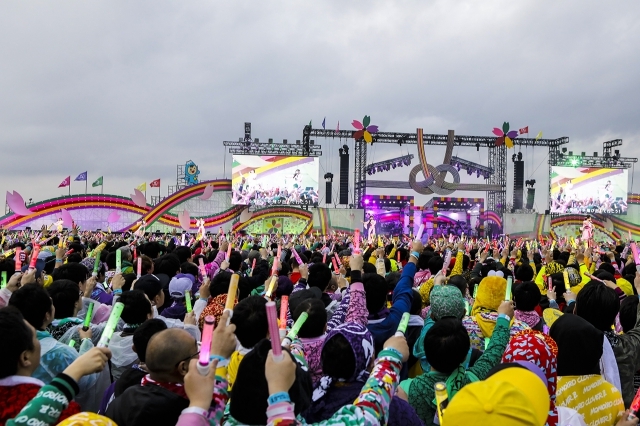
458 166
520 156
393 166
513 158
564 150
366 201
477 146
477 173
469 172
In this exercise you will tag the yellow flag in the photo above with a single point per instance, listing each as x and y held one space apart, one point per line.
539 135
142 187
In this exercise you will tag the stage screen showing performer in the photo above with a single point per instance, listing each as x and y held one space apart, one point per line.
274 180
585 190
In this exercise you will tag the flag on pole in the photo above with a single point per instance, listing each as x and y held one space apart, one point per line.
338 127
155 184
81 177
65 182
98 182
539 135
323 122
524 130
142 187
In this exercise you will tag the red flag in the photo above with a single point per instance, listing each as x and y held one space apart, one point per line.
524 130
155 184
65 182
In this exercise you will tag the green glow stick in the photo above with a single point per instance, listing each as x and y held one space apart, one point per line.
404 322
87 319
72 343
507 295
96 265
293 333
4 279
187 300
475 291
111 325
118 261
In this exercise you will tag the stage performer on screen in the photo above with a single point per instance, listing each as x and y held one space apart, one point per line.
370 226
201 229
587 229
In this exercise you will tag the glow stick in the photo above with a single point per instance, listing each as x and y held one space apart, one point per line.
335 266
398 256
279 252
507 294
447 261
475 291
253 267
204 360
34 257
107 333
324 258
183 239
87 318
629 234
187 301
284 307
440 389
60 242
272 286
17 259
118 261
4 279
72 343
295 329
337 259
274 267
203 271
634 250
549 282
356 240
402 327
231 294
229 251
274 334
420 231
297 256
635 407
96 265
139 267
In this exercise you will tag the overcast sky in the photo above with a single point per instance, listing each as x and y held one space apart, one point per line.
130 89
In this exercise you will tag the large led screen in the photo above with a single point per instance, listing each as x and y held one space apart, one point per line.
274 180
585 190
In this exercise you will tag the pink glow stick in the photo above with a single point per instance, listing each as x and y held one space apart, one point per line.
139 267
447 261
634 250
324 258
17 259
297 256
274 334
279 251
284 307
205 348
253 266
202 269
34 257
356 240
274 267
420 231
335 266
229 251
398 256
335 255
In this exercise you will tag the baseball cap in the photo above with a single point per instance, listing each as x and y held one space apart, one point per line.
178 286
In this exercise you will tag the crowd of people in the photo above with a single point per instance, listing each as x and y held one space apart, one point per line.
449 332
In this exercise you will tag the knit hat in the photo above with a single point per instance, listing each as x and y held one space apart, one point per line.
490 295
178 286
446 301
250 388
362 345
511 397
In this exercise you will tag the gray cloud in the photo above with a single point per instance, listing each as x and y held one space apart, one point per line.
130 89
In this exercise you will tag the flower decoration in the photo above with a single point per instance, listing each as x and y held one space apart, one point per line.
505 137
364 130
274 227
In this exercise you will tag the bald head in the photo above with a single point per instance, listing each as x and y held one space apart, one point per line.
168 348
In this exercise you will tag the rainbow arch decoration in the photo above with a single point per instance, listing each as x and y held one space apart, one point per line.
494 217
277 213
150 214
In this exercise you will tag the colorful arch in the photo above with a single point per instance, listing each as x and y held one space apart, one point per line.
116 202
494 217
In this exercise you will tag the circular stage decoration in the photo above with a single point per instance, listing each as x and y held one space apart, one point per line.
430 185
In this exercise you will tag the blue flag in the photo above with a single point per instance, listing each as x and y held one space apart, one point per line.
323 122
82 176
